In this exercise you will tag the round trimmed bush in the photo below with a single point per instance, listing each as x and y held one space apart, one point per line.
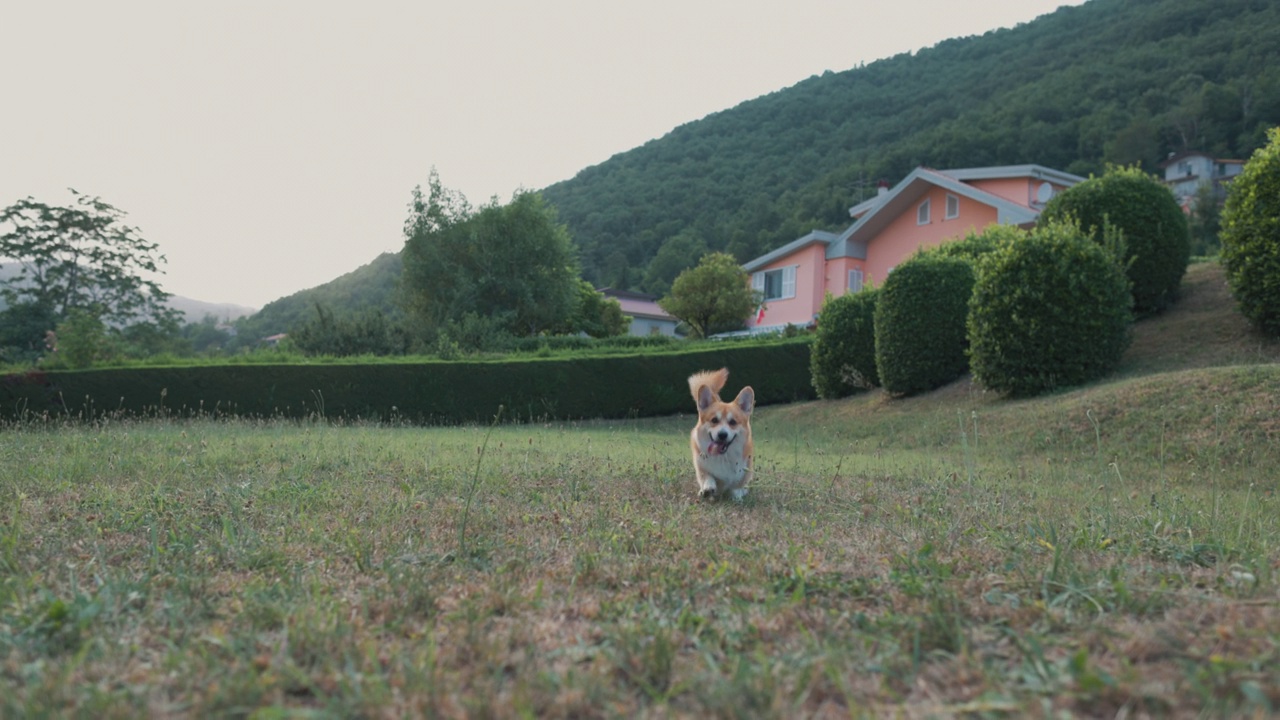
1050 311
1251 237
1156 237
920 323
975 246
843 358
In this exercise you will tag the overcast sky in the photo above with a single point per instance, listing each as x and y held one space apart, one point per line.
271 146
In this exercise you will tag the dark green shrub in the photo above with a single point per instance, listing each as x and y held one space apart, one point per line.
1049 311
1156 237
843 358
1251 237
920 323
974 246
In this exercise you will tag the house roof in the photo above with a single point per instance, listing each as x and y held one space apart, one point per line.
853 241
815 236
638 304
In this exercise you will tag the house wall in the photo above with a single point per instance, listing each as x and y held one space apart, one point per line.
837 280
810 287
1017 190
903 237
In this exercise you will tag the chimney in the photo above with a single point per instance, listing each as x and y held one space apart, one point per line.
882 188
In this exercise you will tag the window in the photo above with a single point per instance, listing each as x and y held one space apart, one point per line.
922 213
777 284
953 207
855 280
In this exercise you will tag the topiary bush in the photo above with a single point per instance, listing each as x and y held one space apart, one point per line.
843 358
974 246
920 323
1049 311
1251 237
1156 236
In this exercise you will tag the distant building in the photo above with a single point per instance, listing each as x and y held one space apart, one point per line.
646 317
1185 173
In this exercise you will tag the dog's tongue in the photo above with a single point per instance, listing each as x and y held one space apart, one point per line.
717 448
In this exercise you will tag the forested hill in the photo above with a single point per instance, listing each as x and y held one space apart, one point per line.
1110 81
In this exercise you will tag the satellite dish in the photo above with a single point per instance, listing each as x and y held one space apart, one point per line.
1044 193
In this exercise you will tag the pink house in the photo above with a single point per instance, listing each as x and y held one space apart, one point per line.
927 208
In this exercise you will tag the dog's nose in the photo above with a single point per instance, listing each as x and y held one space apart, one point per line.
722 435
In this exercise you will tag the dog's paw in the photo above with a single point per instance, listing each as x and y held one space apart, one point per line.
707 493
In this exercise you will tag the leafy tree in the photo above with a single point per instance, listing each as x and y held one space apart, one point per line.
513 262
367 333
677 254
81 257
1251 237
595 315
81 338
1205 221
716 293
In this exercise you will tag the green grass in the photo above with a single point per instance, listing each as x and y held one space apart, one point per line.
1108 550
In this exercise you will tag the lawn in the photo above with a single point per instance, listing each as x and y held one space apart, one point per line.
1108 550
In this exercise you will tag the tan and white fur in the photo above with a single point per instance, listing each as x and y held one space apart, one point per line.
721 441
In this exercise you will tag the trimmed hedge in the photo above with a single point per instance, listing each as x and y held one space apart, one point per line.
430 392
1156 235
1049 311
843 359
1251 237
920 323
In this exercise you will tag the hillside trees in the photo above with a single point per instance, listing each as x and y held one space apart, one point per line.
714 295
512 263
78 258
1105 82
1251 237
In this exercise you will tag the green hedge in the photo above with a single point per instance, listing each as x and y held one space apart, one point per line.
920 331
1251 237
843 359
1047 312
432 392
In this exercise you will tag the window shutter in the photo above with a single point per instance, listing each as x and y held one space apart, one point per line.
789 281
855 280
757 282
922 213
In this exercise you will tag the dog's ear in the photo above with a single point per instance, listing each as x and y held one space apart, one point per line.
705 397
746 399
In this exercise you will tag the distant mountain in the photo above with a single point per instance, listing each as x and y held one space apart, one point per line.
371 286
1109 81
196 310
192 310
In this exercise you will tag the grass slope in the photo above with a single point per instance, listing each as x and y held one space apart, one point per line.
1110 550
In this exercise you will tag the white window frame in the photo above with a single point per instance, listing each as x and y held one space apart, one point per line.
922 213
953 207
786 282
855 280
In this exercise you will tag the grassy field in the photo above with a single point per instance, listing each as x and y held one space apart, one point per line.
1109 551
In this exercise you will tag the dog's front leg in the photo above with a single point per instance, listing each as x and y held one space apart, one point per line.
706 485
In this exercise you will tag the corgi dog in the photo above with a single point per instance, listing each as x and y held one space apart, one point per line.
721 441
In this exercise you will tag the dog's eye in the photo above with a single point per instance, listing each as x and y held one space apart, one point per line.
715 421
733 422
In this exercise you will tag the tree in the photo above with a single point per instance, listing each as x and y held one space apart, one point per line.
595 315
514 263
1251 237
714 293
84 258
676 255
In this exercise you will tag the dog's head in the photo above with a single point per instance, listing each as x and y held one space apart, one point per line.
721 424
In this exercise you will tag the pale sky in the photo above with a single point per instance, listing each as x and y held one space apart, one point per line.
269 146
